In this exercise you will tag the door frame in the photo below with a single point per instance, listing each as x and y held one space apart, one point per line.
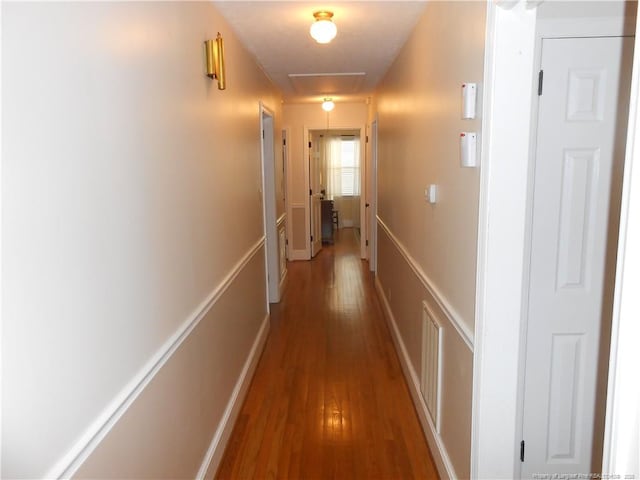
267 163
623 394
372 176
509 71
305 150
310 157
286 145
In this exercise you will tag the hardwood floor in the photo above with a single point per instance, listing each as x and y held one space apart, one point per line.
328 399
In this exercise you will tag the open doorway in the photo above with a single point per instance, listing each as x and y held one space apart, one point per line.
335 184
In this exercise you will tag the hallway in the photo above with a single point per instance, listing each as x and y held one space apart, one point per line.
157 152
328 399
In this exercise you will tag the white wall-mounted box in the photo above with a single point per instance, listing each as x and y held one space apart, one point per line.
468 149
469 95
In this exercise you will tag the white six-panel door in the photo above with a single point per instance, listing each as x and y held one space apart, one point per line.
582 106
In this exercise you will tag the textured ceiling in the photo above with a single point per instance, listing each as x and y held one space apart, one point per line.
370 34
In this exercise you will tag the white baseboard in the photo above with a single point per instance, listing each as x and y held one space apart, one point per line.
220 439
438 450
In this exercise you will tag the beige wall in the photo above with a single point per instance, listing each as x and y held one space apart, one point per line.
120 160
348 211
418 107
418 104
405 293
295 118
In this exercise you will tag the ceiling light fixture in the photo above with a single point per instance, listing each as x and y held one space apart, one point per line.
323 30
328 104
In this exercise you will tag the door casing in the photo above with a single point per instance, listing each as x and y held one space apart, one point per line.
361 129
269 204
372 196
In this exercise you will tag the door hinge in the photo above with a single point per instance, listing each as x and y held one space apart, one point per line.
312 238
540 77
309 144
367 138
522 451
284 141
286 241
310 192
366 243
262 133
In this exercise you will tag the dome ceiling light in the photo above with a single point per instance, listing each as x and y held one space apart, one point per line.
323 30
328 104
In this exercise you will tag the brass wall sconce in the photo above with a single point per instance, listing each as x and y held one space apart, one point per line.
214 51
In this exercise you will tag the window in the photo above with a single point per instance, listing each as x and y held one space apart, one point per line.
350 171
344 167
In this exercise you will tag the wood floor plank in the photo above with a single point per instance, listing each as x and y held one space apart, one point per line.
328 399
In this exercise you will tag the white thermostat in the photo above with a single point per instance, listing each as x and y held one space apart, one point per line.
469 100
468 155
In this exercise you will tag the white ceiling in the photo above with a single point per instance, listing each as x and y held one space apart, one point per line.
370 34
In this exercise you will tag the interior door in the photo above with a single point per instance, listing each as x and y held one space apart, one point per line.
581 132
315 194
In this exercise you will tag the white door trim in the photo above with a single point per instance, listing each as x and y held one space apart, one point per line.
363 191
508 74
286 137
307 186
373 198
621 452
267 129
1 259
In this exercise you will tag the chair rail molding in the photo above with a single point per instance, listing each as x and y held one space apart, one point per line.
466 334
70 462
